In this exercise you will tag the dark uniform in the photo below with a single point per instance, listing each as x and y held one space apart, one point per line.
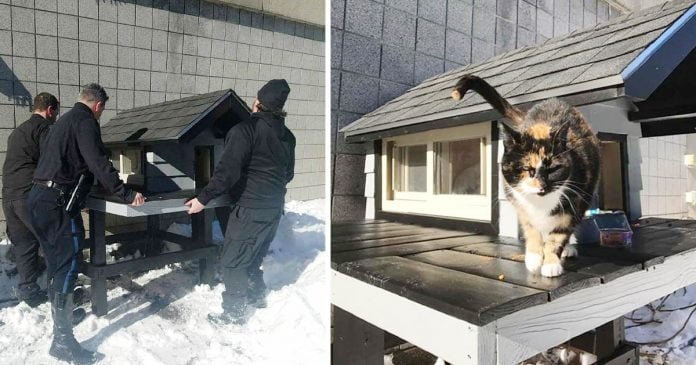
23 147
74 147
257 162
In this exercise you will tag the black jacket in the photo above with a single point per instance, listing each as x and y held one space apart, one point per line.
257 162
23 146
74 147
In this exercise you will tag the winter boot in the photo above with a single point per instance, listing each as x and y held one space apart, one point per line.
234 311
64 346
31 294
257 293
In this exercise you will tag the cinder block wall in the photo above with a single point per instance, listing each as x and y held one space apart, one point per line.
664 175
148 51
382 48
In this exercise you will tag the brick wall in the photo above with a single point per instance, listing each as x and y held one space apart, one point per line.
382 48
148 51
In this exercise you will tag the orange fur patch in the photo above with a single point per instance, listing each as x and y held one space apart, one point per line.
539 131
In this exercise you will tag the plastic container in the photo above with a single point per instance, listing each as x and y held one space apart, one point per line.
607 229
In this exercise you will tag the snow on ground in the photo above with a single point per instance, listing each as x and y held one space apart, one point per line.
160 317
681 350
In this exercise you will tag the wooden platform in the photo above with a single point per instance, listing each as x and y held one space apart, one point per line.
481 281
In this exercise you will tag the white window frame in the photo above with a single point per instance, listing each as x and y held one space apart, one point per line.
472 207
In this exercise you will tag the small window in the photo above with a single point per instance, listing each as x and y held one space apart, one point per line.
458 167
410 168
130 162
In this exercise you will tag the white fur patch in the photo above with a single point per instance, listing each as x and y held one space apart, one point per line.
533 261
571 250
539 209
551 270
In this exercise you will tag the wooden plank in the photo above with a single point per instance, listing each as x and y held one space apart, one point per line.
604 269
355 341
394 227
407 248
149 263
622 254
359 245
337 230
358 223
406 231
507 271
665 242
97 256
469 297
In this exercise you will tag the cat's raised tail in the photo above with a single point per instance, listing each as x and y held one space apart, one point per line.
471 82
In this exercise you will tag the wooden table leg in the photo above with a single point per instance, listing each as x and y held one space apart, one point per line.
202 235
97 257
154 242
356 341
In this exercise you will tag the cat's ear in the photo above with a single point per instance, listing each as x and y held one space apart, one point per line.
511 136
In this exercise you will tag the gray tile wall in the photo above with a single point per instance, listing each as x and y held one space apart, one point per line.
381 48
148 51
665 177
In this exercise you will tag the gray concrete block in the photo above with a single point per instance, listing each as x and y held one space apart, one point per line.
126 57
7 116
364 17
22 20
430 38
143 59
560 27
107 76
125 99
202 84
126 78
23 44
68 7
142 80
159 61
602 11
47 5
254 54
591 5
427 66
481 50
348 175
398 64
347 208
126 12
217 49
143 13
5 17
361 55
158 81
188 65
174 63
23 93
68 50
89 30
460 16
88 74
88 9
203 66
484 25
507 10
205 27
46 22
433 10
204 45
589 18
545 5
126 35
67 26
143 38
336 48
159 40
243 52
6 42
449 65
190 24
230 50
176 22
399 28
216 83
561 9
410 6
173 83
49 88
107 32
576 13
141 98
217 67
458 48
229 69
526 15
505 36
544 24
188 84
359 94
525 37
46 47
107 54
156 97
24 68
68 73
389 90
175 42
89 52
160 15
338 8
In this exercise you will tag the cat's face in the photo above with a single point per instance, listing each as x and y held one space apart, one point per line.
536 161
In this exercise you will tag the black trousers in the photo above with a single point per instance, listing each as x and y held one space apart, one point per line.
248 236
60 236
23 238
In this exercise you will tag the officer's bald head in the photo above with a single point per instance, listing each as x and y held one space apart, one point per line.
94 96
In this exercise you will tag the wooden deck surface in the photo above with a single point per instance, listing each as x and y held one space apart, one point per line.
480 278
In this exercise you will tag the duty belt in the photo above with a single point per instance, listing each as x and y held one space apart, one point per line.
62 188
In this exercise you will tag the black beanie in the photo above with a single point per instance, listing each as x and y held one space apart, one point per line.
274 94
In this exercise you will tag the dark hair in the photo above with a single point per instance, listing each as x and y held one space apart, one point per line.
276 113
43 100
93 92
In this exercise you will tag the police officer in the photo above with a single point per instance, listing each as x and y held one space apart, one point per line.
257 162
23 147
73 148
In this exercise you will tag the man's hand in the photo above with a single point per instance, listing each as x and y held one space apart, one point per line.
138 200
194 206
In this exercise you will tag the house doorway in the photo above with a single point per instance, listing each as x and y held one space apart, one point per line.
613 186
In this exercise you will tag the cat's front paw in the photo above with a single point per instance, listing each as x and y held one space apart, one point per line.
533 261
569 251
551 270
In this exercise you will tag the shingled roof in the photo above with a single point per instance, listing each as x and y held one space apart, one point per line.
175 120
586 66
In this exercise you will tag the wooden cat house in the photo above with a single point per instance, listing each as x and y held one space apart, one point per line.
439 253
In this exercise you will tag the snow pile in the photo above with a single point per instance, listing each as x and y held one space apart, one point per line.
160 317
672 319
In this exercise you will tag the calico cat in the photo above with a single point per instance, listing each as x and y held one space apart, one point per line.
550 166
